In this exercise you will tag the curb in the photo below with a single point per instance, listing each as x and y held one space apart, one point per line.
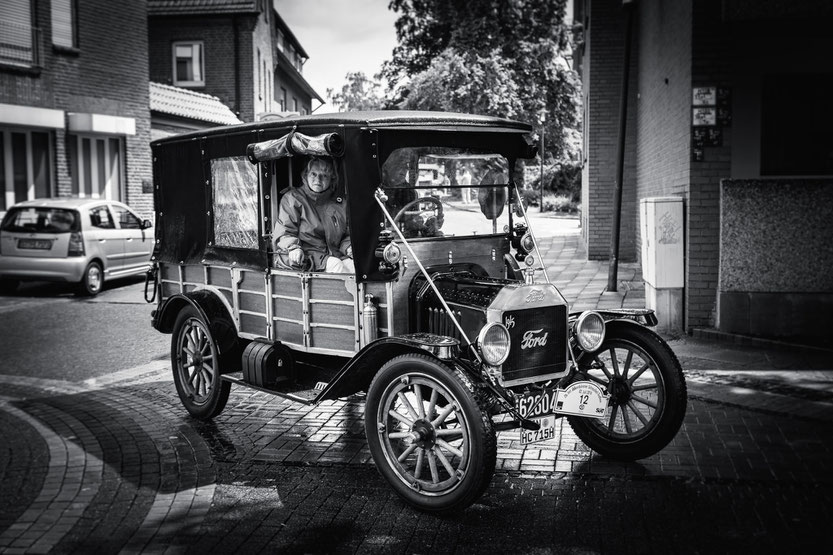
717 336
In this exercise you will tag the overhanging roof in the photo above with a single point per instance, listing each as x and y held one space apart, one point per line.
201 7
183 103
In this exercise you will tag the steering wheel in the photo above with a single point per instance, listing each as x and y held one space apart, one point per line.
433 200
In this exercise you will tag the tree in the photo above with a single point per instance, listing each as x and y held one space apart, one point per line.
468 82
358 93
512 50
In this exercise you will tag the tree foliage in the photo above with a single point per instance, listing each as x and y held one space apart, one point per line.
466 82
359 92
496 57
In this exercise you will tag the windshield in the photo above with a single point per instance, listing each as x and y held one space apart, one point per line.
41 220
446 192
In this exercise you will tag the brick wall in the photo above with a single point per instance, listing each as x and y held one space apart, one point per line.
227 66
711 66
98 78
602 82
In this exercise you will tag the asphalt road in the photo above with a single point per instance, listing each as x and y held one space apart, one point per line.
48 332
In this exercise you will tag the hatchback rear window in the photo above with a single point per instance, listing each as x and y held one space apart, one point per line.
41 220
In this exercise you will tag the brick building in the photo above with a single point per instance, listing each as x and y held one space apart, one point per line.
239 51
728 109
74 117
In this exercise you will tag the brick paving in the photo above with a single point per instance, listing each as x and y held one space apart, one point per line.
115 465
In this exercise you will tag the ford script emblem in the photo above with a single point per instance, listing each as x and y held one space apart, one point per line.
534 338
534 296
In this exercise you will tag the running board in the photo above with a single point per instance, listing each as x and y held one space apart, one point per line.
305 396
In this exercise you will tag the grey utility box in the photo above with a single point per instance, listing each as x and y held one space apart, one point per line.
663 259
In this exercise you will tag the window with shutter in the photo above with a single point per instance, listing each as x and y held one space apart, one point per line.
17 33
63 23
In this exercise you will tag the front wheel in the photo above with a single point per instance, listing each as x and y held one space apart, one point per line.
648 394
196 366
428 435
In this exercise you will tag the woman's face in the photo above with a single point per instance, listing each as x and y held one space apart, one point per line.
319 176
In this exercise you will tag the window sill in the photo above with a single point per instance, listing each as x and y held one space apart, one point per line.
66 50
34 71
189 85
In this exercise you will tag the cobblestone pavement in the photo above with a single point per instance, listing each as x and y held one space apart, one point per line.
116 465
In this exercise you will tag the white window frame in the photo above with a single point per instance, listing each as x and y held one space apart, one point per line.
30 164
201 65
110 189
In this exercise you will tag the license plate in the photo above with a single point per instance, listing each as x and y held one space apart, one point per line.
39 244
545 432
578 398
582 399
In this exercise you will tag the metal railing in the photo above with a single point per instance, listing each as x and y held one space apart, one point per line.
19 44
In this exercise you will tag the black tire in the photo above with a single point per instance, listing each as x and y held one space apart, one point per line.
196 366
438 456
648 394
8 286
92 281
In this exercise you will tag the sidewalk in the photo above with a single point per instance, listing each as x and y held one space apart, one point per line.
757 374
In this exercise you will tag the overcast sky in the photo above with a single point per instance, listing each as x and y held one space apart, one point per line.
340 36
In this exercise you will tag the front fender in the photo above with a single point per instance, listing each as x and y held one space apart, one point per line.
644 316
357 374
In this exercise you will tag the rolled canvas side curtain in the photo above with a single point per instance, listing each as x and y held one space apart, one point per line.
296 144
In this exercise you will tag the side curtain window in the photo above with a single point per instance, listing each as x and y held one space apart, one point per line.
234 186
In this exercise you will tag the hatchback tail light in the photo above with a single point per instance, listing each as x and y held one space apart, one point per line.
76 244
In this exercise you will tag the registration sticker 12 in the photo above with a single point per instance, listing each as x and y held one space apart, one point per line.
582 399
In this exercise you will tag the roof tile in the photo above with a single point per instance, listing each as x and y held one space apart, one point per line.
191 7
189 104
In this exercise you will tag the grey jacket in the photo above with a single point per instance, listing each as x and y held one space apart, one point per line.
315 222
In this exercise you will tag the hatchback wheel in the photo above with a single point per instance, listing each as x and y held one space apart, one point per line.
92 281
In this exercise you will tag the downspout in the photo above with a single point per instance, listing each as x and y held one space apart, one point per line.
236 66
613 269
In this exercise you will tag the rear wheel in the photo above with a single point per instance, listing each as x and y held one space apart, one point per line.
196 366
428 435
648 394
90 285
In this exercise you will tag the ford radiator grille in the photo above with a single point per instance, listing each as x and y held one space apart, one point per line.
539 342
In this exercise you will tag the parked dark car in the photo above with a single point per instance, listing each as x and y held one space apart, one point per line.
448 325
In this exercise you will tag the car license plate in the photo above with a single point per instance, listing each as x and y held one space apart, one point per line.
582 399
39 244
545 432
578 398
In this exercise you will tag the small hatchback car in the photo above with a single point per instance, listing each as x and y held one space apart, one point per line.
83 241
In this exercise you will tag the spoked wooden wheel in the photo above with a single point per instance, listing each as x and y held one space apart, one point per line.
196 366
428 436
647 394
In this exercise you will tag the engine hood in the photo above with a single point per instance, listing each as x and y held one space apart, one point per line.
460 287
